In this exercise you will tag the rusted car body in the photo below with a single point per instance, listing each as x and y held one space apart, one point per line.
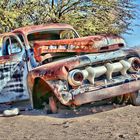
63 67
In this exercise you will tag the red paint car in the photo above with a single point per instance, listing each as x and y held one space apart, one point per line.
57 66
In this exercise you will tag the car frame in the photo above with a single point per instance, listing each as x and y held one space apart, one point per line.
78 70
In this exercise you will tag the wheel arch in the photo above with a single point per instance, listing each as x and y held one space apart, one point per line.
38 88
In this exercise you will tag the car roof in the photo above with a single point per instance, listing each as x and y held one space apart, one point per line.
29 29
6 34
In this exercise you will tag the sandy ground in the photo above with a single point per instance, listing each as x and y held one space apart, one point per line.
111 124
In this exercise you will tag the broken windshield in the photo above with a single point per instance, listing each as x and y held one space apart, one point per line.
52 35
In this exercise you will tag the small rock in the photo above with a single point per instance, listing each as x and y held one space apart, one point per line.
66 113
121 136
66 124
77 113
114 105
94 110
11 112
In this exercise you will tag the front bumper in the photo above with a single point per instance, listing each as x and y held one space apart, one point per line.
107 92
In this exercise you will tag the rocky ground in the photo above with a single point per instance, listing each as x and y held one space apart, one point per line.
108 122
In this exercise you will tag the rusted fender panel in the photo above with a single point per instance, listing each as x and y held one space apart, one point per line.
107 93
99 43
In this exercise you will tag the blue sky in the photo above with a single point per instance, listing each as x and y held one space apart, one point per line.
133 39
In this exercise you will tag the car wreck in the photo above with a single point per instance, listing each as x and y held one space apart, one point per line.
52 64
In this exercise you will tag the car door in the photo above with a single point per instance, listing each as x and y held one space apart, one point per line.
13 69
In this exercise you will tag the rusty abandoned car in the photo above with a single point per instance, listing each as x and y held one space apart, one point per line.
52 64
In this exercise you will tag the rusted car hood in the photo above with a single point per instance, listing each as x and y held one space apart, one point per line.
90 44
